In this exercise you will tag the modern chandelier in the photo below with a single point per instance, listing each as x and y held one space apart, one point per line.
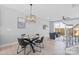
31 17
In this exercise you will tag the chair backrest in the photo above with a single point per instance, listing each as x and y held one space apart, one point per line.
42 39
21 42
35 38
37 34
23 35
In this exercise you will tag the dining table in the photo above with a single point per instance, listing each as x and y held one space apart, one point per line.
31 41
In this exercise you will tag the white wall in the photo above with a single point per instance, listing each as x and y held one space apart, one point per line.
8 26
39 27
45 13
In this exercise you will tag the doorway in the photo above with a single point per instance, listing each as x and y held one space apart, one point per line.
58 29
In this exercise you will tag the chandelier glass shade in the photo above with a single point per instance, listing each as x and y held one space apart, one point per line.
31 18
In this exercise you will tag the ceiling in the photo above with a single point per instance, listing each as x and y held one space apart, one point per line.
22 7
46 10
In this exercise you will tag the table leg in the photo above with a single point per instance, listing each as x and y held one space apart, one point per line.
32 48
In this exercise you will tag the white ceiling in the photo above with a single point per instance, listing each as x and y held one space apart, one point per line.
46 10
22 7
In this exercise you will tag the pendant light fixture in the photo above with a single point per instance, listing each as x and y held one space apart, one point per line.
31 17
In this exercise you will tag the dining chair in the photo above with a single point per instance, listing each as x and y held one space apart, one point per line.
40 42
34 39
37 34
22 35
22 44
34 43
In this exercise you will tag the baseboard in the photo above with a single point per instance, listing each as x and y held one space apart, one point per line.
8 44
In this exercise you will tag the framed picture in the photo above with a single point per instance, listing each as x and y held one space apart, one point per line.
45 27
21 24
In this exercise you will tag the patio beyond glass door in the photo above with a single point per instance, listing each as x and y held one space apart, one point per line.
59 27
72 35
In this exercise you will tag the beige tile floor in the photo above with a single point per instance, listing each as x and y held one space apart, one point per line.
51 47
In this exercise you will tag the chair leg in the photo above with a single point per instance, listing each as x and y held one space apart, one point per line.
39 47
42 45
38 50
20 50
17 49
24 50
32 48
29 51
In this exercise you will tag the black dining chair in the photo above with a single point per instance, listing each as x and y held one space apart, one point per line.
37 34
22 44
23 35
34 39
40 42
34 43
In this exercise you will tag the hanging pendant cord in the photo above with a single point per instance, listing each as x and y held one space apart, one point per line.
25 10
30 9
